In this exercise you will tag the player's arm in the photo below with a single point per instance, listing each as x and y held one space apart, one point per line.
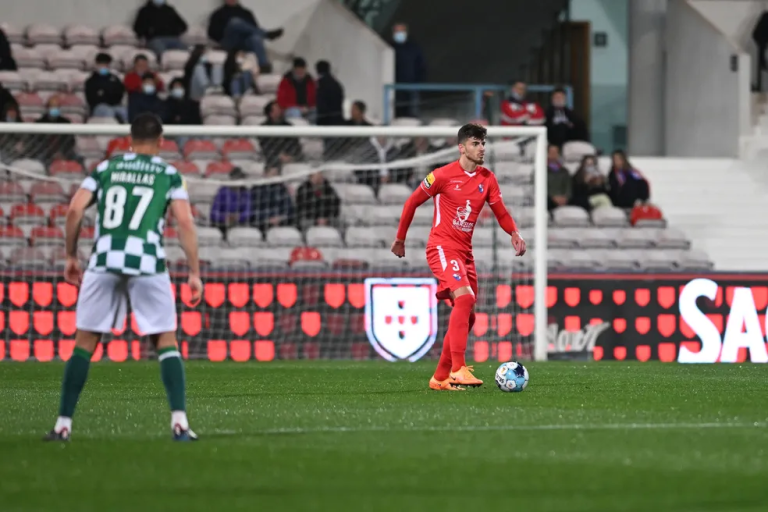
185 223
506 221
82 199
424 191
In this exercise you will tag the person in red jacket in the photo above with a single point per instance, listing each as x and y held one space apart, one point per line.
296 93
517 110
135 77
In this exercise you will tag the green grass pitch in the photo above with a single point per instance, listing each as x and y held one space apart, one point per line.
341 436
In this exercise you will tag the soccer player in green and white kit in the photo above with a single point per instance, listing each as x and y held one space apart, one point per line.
132 193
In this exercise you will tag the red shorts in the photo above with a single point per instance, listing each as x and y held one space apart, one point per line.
453 270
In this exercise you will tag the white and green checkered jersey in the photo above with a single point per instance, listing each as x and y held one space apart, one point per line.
133 193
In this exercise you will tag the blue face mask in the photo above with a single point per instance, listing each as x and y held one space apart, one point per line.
103 71
177 92
149 89
54 112
400 37
158 2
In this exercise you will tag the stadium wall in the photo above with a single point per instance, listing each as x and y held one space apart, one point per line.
314 29
707 100
699 318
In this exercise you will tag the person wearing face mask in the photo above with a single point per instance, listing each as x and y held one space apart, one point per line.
563 125
104 91
147 100
559 185
518 110
410 68
200 75
297 92
279 150
240 73
55 147
590 188
12 145
135 76
160 26
179 108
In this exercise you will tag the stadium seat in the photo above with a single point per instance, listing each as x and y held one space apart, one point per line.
169 150
43 33
563 238
201 192
29 165
417 235
253 105
11 191
482 237
186 168
582 260
383 258
218 105
58 215
253 120
384 215
297 121
630 238
619 260
12 80
424 215
195 149
354 214
71 104
231 259
27 59
118 35
81 35
249 167
88 147
394 193
29 257
14 33
66 59
66 168
504 150
609 216
284 236
175 60
267 84
12 236
47 235
274 257
50 81
219 120
356 236
300 171
209 236
575 150
570 216
670 238
324 236
658 260
218 169
47 191
30 103
591 238
355 193
234 149
694 260
242 236
195 34
307 258
514 194
28 214
410 122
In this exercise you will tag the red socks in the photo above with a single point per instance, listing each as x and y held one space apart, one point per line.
458 329
444 366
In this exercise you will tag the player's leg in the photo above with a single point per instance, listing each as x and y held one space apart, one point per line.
155 313
101 305
440 380
472 277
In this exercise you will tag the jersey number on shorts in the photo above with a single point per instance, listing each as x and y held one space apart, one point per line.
114 206
455 265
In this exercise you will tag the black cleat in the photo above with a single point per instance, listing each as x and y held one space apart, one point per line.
57 436
179 434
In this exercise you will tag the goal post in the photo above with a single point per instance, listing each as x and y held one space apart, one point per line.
515 291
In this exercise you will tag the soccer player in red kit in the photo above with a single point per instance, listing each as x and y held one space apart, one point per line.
460 190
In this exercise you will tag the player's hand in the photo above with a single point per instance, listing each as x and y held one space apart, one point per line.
72 273
196 287
518 244
398 248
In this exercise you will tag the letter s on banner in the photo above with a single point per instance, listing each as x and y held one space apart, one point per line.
743 312
698 321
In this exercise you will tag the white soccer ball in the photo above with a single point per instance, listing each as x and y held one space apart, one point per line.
512 377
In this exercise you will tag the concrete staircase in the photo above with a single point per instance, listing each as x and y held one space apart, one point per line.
721 205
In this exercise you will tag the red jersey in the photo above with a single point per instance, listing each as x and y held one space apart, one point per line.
459 197
516 113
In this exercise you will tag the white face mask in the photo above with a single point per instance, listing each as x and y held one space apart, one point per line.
400 37
177 92
149 89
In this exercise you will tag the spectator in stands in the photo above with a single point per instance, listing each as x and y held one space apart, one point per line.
6 98
279 150
352 145
104 91
55 147
410 68
135 77
628 187
160 26
7 62
232 204
559 184
235 28
418 147
200 75
379 150
330 96
317 203
518 110
146 100
272 205
240 73
563 125
357 114
179 108
296 93
12 145
590 188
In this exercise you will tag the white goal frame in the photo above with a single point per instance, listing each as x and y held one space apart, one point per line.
540 172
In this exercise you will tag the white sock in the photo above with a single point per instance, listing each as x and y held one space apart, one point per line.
62 422
179 418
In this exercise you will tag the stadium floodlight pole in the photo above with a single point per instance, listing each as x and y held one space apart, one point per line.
238 131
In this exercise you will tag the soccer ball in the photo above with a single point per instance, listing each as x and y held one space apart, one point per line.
512 377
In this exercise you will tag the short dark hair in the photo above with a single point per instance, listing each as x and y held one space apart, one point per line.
323 67
147 127
298 62
176 81
472 131
558 90
103 58
360 105
140 56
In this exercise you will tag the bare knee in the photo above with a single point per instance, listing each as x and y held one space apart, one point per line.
87 340
164 340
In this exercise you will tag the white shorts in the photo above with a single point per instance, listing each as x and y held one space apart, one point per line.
102 303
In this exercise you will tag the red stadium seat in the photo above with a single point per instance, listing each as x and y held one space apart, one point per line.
186 168
200 149
12 191
47 191
28 213
118 146
87 233
58 213
47 235
305 254
11 235
65 168
218 167
234 149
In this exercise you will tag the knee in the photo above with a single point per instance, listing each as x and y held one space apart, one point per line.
466 301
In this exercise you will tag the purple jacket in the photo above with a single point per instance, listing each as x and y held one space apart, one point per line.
230 200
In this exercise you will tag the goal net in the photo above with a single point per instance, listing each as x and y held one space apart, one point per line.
294 227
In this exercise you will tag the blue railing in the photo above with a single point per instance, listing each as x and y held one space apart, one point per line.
477 90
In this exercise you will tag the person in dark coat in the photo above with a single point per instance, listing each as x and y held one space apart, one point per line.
330 96
589 188
627 186
53 147
297 92
279 150
7 62
410 68
235 28
104 91
563 125
271 203
179 108
12 145
146 101
6 98
160 26
317 203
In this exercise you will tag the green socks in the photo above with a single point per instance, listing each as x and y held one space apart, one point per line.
172 372
75 375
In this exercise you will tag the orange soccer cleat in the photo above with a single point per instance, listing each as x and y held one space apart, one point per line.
443 385
464 377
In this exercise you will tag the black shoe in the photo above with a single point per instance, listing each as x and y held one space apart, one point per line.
273 34
179 434
57 436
